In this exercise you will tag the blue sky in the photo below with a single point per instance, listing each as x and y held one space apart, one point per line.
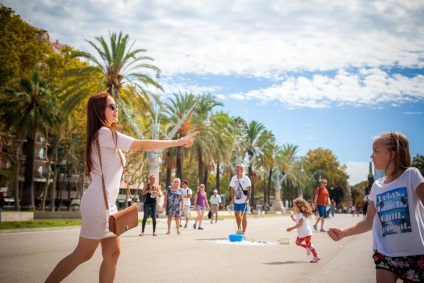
321 73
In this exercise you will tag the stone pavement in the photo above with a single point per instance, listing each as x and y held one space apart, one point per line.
268 254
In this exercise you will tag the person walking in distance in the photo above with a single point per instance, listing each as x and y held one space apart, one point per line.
215 200
149 207
103 137
187 193
173 204
304 233
201 203
395 213
240 196
321 200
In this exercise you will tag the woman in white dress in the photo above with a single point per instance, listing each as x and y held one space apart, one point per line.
102 118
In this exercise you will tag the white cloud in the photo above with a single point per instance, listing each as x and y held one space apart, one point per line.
246 37
367 87
278 41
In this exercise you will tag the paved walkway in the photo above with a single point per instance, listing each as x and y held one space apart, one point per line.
267 255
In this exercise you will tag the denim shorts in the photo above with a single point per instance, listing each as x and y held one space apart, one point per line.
240 207
200 207
322 210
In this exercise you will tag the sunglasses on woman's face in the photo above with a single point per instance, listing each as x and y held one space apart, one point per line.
113 107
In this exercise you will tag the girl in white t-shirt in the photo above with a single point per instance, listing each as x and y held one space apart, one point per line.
395 213
304 233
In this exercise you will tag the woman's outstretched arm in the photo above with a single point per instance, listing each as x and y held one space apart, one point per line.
186 141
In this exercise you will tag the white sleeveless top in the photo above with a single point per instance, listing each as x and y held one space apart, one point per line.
93 209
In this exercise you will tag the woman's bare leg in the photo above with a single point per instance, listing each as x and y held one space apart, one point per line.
177 222
201 217
169 223
111 249
83 252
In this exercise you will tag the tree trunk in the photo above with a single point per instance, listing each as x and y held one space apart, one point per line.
53 189
28 188
252 198
217 183
168 177
48 170
1 150
17 168
179 162
205 178
199 165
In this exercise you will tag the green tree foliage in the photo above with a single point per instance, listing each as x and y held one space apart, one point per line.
27 109
22 47
358 192
418 162
324 159
114 67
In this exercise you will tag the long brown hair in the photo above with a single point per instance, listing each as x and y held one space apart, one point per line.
95 120
399 145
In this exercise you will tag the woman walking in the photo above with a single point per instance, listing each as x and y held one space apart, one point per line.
149 207
173 204
102 119
201 202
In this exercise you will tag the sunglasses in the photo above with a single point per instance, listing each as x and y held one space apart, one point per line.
113 107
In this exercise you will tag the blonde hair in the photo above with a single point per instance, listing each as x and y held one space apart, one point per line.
303 206
399 145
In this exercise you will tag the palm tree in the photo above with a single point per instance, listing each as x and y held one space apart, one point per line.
176 108
221 131
208 142
268 160
116 68
254 142
289 167
28 109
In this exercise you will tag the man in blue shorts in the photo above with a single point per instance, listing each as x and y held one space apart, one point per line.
240 195
322 199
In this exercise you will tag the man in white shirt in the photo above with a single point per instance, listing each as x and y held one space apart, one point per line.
215 200
187 192
240 195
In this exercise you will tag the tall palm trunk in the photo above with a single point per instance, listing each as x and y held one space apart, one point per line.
252 197
200 165
168 177
28 188
179 162
205 178
217 183
17 168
